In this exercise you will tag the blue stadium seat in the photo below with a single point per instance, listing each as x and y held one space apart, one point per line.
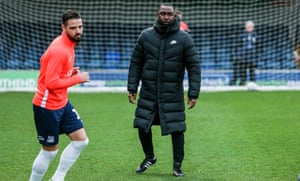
112 59
14 64
2 64
32 58
80 63
126 57
94 64
289 64
206 56
288 60
81 59
31 64
224 58
2 54
208 65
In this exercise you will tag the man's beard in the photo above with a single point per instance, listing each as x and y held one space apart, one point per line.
166 23
165 26
74 39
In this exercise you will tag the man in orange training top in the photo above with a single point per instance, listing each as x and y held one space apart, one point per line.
53 112
183 25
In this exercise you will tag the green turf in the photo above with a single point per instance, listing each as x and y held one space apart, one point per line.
231 136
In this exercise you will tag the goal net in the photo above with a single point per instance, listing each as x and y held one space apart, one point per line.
112 27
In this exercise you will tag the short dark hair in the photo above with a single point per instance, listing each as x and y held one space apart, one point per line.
166 4
70 14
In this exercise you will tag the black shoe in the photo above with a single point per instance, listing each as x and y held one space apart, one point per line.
242 83
145 164
177 172
232 83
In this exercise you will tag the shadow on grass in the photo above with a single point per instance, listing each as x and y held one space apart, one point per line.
169 176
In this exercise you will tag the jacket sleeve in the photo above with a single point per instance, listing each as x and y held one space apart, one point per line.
136 66
193 68
53 78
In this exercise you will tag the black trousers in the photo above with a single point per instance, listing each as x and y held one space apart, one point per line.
236 72
240 72
247 65
177 143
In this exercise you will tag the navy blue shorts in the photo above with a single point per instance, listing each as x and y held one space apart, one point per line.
50 123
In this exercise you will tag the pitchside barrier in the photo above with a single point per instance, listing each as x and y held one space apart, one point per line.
115 81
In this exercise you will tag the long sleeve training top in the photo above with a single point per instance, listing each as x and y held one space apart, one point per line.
55 76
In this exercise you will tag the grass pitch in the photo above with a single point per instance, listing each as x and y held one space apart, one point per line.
231 136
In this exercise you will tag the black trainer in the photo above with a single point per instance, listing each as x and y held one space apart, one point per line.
177 172
145 164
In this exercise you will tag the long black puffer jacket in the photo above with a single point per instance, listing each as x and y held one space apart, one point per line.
159 60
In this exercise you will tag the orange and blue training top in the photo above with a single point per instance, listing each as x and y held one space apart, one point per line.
55 77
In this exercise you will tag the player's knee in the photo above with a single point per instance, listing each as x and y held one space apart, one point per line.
49 154
80 144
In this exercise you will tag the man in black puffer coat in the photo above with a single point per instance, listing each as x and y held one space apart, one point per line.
161 56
